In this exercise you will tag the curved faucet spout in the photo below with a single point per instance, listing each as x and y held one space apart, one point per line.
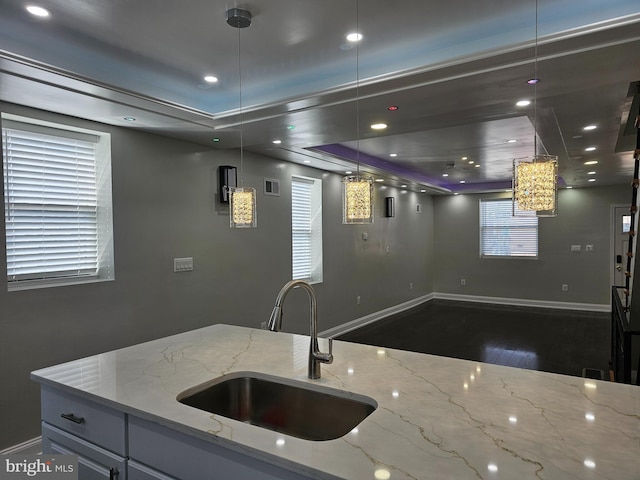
316 357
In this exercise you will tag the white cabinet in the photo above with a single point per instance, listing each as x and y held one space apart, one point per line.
96 434
113 445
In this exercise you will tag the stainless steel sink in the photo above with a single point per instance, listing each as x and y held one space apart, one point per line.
295 408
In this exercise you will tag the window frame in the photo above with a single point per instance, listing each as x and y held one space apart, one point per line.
103 268
315 241
523 218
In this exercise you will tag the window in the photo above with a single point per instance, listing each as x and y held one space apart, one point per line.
57 194
306 229
503 235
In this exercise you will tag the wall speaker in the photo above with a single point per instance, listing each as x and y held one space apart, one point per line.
389 207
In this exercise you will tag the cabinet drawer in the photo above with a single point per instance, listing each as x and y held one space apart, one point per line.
94 463
188 458
100 425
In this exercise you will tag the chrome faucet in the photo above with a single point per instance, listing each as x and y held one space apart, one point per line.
316 357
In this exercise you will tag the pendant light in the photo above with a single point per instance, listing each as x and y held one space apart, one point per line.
535 180
357 190
242 200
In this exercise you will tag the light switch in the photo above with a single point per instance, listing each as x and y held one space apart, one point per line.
576 248
183 264
588 248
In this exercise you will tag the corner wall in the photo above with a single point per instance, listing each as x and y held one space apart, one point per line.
165 206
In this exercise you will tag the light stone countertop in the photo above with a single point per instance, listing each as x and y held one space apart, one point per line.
437 417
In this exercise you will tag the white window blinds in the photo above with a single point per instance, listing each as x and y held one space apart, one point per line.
505 235
51 203
306 229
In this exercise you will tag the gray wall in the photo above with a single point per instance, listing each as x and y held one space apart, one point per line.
165 206
583 218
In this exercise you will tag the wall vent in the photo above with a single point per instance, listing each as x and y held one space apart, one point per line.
272 187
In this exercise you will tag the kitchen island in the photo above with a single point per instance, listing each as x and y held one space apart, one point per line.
436 417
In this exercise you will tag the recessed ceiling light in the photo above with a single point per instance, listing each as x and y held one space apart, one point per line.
569 187
445 174
533 81
307 161
291 127
471 162
512 141
592 179
477 165
403 186
589 149
456 193
463 181
523 103
129 119
423 191
591 162
392 108
37 11
379 126
591 173
393 154
277 142
354 37
215 139
589 127
348 172
210 79
464 158
379 179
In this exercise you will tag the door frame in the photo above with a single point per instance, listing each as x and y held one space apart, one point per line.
612 242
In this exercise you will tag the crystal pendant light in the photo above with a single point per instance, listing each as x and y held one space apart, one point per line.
357 190
242 200
535 180
357 204
535 185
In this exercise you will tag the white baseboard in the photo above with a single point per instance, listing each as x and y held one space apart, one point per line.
374 317
30 447
521 302
518 302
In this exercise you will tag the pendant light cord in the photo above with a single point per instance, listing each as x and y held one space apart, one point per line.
358 90
535 89
241 128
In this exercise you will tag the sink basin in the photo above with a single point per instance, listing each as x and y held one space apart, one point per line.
299 409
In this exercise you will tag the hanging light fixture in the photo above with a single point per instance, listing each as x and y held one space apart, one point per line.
242 200
357 190
535 180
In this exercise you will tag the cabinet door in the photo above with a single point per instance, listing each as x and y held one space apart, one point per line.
94 463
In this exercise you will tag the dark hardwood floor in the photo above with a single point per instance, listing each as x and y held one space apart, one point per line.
550 340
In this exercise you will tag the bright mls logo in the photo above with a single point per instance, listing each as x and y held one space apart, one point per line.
51 467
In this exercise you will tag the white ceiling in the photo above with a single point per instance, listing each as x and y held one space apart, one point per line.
454 69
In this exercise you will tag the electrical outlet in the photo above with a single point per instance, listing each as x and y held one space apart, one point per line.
183 264
565 287
358 300
588 248
463 282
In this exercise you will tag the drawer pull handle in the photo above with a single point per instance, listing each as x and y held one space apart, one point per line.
72 418
113 473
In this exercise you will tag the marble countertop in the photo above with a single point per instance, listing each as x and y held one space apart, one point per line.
437 417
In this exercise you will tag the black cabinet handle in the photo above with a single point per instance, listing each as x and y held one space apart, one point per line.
113 473
72 418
